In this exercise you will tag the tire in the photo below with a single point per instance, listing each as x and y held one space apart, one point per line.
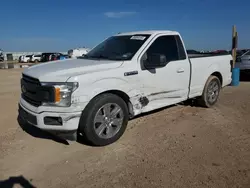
36 61
206 100
90 125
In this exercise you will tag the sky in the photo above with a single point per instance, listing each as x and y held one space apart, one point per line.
59 25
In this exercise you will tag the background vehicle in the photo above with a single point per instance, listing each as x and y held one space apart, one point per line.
45 57
63 57
66 56
25 58
36 58
220 52
243 61
193 52
122 77
74 53
20 58
50 56
57 56
1 55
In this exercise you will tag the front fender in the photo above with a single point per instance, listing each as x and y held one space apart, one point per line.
108 84
103 85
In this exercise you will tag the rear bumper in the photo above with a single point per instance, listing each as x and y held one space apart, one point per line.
66 128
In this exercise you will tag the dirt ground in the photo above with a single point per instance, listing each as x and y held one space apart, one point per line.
181 146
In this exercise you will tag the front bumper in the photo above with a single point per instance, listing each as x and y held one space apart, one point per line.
66 130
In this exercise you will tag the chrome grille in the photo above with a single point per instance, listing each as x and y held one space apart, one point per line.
30 88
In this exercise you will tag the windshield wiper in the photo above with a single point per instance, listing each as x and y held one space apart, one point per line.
100 56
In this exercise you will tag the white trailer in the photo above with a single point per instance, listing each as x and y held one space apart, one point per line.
77 52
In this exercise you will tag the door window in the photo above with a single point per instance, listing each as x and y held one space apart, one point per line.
165 45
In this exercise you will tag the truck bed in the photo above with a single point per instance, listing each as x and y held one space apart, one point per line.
203 66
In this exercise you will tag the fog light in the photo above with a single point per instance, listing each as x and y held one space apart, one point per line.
53 121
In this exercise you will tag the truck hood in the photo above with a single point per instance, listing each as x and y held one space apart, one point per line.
61 70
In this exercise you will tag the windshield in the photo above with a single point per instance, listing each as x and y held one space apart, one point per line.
118 47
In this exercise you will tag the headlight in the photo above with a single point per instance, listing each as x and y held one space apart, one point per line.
61 93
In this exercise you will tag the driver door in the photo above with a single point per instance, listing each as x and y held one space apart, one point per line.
169 84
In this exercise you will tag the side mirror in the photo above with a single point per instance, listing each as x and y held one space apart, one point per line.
155 61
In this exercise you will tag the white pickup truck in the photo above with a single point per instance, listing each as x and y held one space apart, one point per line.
125 75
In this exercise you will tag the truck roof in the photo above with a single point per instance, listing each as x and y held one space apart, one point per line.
149 32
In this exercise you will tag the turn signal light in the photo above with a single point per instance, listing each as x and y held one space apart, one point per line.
57 94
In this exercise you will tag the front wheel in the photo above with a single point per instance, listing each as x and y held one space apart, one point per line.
104 120
211 92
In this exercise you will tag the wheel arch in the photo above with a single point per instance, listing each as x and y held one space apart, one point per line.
124 96
219 76
216 74
118 92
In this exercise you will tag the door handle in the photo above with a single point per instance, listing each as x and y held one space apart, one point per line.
180 70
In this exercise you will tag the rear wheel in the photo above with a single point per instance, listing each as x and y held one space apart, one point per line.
104 120
211 92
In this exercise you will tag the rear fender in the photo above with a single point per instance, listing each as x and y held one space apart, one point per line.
211 69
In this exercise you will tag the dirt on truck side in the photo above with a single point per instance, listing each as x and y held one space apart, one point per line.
179 146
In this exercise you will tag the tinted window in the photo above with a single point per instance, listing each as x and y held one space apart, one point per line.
45 57
118 47
165 45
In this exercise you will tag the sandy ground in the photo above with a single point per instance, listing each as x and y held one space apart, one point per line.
180 146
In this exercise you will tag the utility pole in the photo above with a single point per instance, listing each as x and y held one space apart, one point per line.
235 71
234 45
